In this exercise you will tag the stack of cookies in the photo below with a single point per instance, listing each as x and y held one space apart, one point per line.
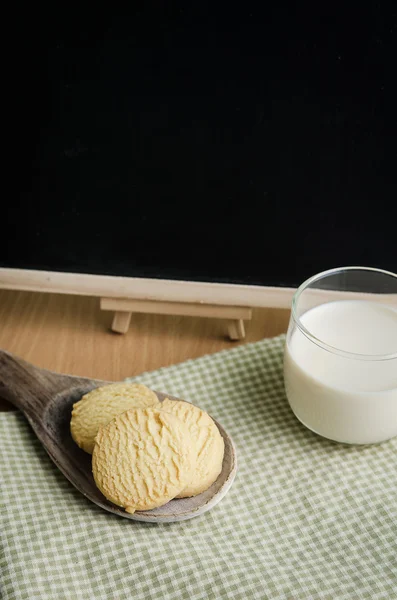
146 452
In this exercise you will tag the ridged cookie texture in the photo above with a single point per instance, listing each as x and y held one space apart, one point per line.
207 443
97 408
143 458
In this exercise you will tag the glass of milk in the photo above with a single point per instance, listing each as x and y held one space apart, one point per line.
340 363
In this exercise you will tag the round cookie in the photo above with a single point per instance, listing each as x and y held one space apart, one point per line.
207 441
143 458
101 405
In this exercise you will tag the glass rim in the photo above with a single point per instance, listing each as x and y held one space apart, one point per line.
303 286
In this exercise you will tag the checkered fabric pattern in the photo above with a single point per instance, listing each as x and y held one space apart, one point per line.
305 519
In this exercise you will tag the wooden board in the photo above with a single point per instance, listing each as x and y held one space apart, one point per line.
70 334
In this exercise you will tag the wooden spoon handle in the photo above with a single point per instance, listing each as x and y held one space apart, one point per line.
33 390
27 387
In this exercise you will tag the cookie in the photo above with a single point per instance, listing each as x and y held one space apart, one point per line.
100 406
143 458
207 442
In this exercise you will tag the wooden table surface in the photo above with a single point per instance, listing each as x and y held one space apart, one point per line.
70 334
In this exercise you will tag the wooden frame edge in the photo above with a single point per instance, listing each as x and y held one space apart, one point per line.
145 289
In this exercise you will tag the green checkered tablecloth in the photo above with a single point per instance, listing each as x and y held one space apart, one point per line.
305 518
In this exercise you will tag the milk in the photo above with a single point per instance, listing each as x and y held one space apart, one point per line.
345 399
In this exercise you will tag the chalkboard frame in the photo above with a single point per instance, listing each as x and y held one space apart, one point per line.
84 284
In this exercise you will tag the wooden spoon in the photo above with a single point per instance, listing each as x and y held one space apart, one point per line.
46 399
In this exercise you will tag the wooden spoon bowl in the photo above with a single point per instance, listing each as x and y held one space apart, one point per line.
46 400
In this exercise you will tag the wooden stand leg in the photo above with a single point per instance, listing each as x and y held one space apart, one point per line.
124 307
121 321
236 330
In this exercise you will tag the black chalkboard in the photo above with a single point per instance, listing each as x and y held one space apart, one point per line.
248 144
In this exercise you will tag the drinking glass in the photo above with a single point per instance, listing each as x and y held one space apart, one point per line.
340 361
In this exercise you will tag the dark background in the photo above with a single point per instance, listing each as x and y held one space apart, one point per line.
204 142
